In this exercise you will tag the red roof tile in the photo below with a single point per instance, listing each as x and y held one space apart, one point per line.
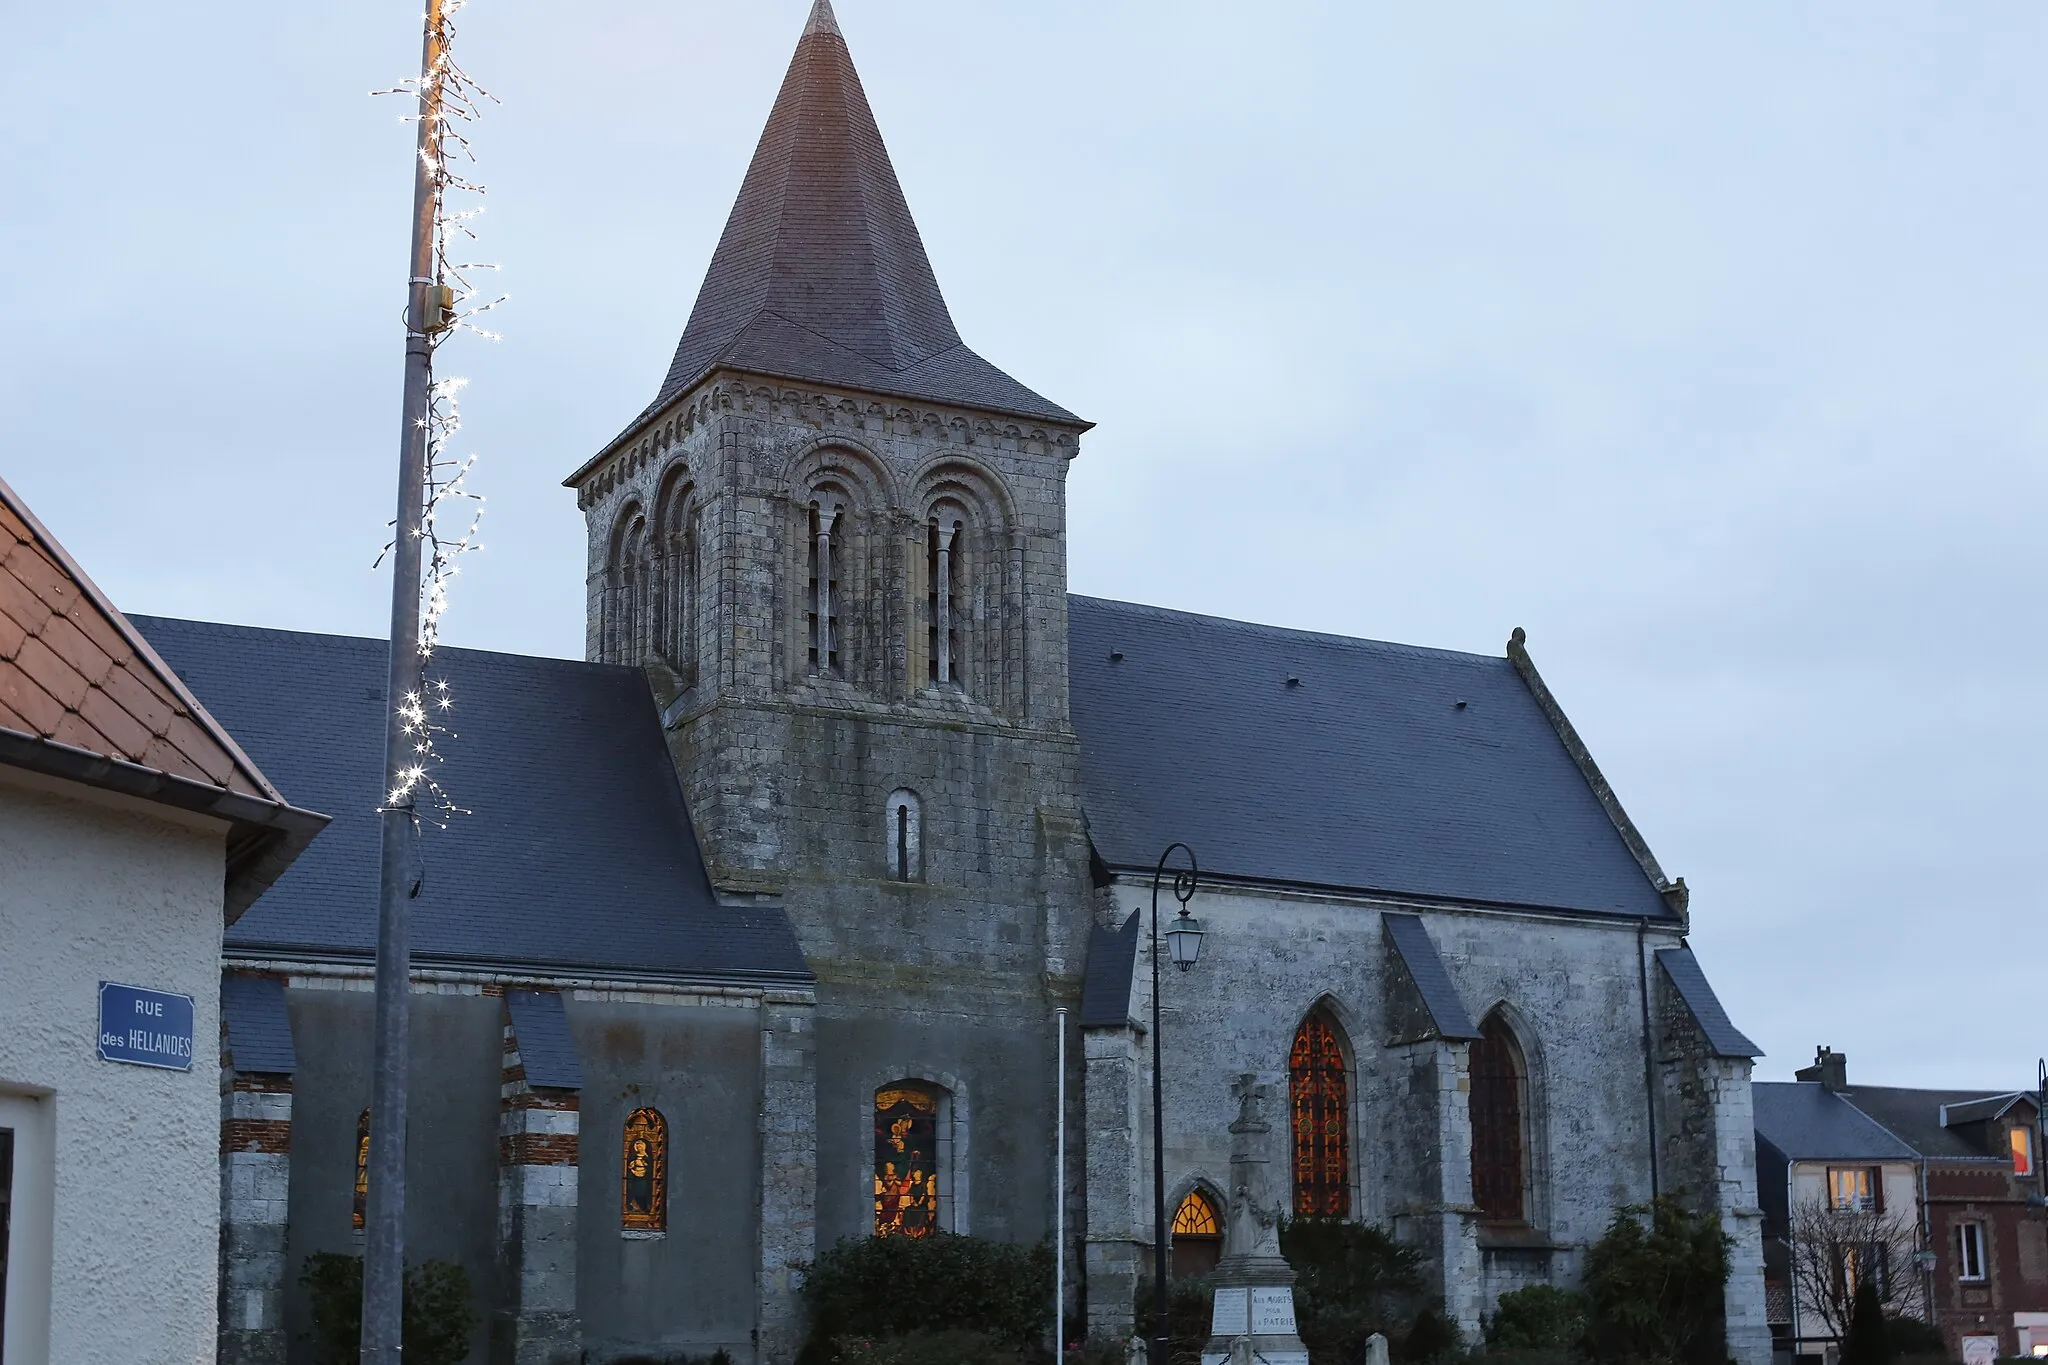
74 672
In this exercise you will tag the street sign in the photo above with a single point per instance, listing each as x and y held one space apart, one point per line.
143 1027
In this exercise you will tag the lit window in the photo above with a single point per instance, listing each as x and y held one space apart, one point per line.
643 1176
1969 1251
1855 1189
1319 1091
906 1161
362 1194
2022 1152
1197 1237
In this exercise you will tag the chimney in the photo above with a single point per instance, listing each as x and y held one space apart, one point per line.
1830 1068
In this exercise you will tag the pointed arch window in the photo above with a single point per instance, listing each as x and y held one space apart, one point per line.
1500 1082
823 590
1197 1236
362 1186
1319 1095
643 1172
944 598
909 1155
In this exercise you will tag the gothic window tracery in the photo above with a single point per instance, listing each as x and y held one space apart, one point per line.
1197 1236
362 1185
643 1172
907 1161
1499 1123
1319 1096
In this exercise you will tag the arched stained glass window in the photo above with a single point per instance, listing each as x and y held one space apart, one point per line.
1319 1095
1499 1080
643 1172
906 1161
1197 1236
362 1194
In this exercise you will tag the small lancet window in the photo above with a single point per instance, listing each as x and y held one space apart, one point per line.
906 1161
823 610
643 1174
905 833
942 601
362 1189
1197 1236
1319 1095
1499 1151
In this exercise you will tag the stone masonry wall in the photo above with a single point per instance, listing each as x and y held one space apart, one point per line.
255 1202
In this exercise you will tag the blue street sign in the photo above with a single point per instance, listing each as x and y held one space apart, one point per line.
145 1028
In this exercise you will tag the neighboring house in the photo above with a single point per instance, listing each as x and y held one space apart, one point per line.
132 829
1841 1197
1979 1155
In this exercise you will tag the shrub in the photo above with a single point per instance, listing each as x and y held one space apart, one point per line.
929 1348
1869 1339
437 1314
1351 1280
1539 1317
1430 1337
876 1289
1912 1337
1098 1351
1653 1286
1189 1305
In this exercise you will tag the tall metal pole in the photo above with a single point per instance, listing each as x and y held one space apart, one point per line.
384 1220
1059 1197
1183 891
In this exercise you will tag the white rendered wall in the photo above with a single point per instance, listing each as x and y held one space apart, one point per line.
98 890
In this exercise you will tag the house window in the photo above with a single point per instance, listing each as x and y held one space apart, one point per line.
1969 1251
362 1194
908 1159
1871 1260
905 833
643 1172
1855 1189
823 611
2022 1151
1319 1097
1197 1236
1499 1079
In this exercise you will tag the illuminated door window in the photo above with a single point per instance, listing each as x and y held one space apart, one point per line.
2022 1152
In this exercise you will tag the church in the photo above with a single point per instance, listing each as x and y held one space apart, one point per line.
765 918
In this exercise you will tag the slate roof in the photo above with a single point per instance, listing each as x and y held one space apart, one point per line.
1411 940
1106 987
83 696
259 1027
1805 1121
1915 1118
1685 973
821 274
578 853
547 1049
1366 775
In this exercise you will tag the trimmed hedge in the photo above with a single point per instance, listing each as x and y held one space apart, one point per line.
877 1289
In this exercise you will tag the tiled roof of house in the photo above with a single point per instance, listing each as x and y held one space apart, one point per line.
576 853
1289 757
1916 1117
84 696
1805 1121
821 274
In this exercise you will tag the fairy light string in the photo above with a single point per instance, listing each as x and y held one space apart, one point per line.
455 102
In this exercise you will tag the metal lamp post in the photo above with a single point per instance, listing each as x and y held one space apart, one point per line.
1184 942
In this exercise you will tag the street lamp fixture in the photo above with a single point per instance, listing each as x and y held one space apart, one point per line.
1184 941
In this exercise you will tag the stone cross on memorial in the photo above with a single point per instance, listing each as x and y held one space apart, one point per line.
1252 1318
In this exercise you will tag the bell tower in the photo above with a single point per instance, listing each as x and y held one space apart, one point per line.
835 540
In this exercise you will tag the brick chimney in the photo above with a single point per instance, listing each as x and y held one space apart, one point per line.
1830 1068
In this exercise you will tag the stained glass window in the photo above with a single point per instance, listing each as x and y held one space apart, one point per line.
1319 1094
362 1166
643 1172
1498 1080
1197 1236
906 1161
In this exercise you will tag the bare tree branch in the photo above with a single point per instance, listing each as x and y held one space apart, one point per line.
1833 1250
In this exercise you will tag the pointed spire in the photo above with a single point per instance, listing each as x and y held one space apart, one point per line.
821 274
823 21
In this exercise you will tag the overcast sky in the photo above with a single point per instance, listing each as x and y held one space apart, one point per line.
1703 341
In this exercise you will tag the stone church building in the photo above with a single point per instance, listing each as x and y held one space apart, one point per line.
755 936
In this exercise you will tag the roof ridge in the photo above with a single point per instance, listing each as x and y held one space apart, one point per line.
284 633
1288 632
